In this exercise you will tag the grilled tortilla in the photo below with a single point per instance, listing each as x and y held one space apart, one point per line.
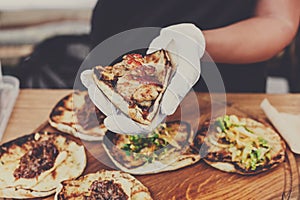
240 145
33 165
165 149
76 114
104 184
136 84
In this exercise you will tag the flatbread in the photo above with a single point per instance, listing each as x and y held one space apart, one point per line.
136 84
33 165
239 145
165 149
77 115
125 184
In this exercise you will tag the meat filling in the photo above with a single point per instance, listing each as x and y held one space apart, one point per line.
37 160
106 190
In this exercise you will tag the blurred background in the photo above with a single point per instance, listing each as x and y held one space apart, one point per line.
30 29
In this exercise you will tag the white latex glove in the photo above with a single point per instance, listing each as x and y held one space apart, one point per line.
187 44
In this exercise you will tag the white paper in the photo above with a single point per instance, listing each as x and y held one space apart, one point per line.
288 125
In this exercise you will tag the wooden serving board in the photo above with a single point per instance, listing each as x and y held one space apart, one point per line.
200 181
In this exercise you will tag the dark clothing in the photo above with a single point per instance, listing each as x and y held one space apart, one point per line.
112 17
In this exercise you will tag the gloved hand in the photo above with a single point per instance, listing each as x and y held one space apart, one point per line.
186 43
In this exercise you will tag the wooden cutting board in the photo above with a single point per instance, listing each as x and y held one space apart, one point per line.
200 181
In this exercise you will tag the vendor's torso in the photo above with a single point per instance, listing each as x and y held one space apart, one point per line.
111 17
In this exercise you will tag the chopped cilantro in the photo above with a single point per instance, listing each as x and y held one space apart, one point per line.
127 153
227 122
263 142
220 123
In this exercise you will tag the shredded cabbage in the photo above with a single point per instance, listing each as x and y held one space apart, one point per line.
244 145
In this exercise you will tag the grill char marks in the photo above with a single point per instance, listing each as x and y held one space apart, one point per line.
61 103
37 160
106 189
22 140
198 144
111 83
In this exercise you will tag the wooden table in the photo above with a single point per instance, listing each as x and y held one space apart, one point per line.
33 107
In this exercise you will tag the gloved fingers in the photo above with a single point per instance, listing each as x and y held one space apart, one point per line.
157 44
185 77
187 71
159 118
174 93
188 30
121 124
183 80
185 48
97 97
101 101
87 78
170 102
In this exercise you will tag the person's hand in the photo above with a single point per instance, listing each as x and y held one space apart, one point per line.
186 44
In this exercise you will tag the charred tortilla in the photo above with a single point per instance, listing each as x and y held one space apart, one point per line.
240 145
165 149
103 185
136 84
33 165
76 114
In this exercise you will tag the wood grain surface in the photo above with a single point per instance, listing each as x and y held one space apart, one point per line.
198 181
